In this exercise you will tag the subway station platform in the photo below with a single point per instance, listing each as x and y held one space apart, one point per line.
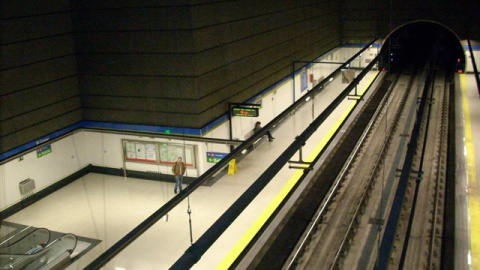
105 208
467 221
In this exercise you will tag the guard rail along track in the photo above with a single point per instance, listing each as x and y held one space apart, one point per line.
340 243
357 204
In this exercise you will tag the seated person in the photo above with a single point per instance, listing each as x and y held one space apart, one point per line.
258 127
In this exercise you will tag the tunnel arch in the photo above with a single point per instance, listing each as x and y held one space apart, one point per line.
454 43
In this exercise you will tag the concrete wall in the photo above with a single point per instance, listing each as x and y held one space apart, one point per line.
174 63
66 157
363 19
39 91
179 64
74 152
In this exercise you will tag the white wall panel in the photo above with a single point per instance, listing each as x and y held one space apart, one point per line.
468 60
284 96
46 170
219 132
105 149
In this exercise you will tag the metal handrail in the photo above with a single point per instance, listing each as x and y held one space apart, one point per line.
330 194
194 253
162 211
474 64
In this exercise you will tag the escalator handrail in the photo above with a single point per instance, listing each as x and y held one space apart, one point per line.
22 238
43 250
8 239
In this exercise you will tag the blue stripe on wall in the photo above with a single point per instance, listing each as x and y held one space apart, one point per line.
215 123
33 144
100 125
132 127
474 47
145 128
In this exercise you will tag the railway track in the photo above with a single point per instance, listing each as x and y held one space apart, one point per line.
420 228
348 227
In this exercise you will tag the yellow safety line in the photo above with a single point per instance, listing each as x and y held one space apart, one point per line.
273 205
472 190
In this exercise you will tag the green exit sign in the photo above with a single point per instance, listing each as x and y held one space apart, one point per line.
246 112
214 157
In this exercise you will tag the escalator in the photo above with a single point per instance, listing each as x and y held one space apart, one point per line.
32 249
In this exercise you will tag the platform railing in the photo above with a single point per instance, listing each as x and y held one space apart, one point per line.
474 64
193 254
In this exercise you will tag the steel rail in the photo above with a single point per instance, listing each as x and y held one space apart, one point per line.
388 236
442 144
330 195
370 181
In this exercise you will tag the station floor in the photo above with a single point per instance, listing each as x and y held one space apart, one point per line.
467 221
107 207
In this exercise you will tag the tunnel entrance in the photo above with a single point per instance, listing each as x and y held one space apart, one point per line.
418 40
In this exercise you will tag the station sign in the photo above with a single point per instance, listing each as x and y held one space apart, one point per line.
214 157
44 150
245 112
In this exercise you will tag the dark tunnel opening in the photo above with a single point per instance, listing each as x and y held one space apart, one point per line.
419 40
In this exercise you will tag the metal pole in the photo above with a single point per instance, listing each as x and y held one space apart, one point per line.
293 82
189 211
230 124
475 70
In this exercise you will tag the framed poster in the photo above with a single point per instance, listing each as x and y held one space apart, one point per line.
170 152
140 151
151 152
159 152
303 81
130 150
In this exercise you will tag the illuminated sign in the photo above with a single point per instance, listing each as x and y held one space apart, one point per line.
245 112
44 150
214 157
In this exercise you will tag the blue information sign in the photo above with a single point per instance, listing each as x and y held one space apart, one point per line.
214 157
44 150
304 81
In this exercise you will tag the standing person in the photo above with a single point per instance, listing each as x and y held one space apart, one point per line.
258 126
178 170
